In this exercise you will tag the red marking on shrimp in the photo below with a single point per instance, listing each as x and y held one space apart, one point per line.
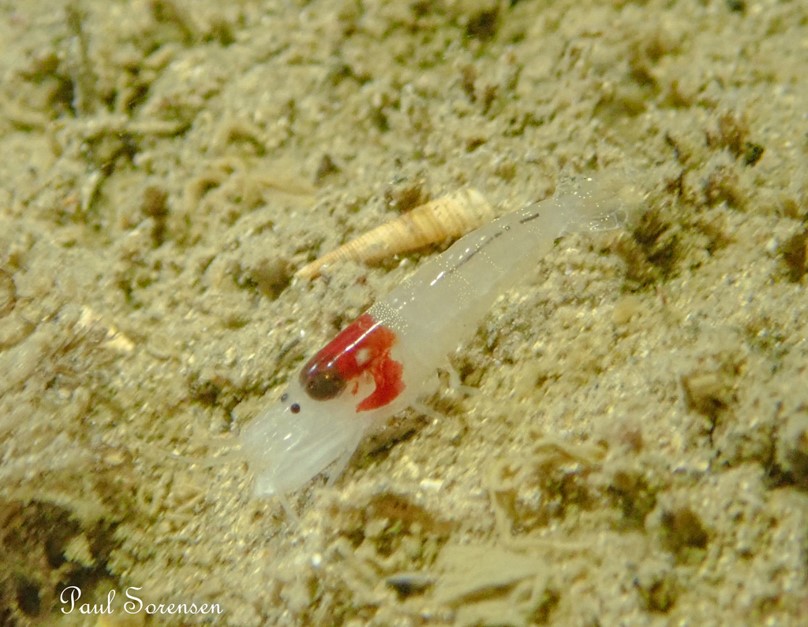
363 347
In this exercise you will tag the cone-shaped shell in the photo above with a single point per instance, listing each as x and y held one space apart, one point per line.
444 218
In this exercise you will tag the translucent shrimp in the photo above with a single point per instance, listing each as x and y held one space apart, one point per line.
383 361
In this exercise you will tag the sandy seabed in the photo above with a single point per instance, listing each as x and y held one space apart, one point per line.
636 449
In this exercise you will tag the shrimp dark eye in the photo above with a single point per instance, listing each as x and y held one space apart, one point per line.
294 408
321 383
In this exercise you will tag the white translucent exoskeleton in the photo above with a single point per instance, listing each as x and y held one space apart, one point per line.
383 361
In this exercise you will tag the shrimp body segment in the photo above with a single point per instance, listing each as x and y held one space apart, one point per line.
383 361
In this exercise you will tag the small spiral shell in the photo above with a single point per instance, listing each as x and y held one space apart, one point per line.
444 218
